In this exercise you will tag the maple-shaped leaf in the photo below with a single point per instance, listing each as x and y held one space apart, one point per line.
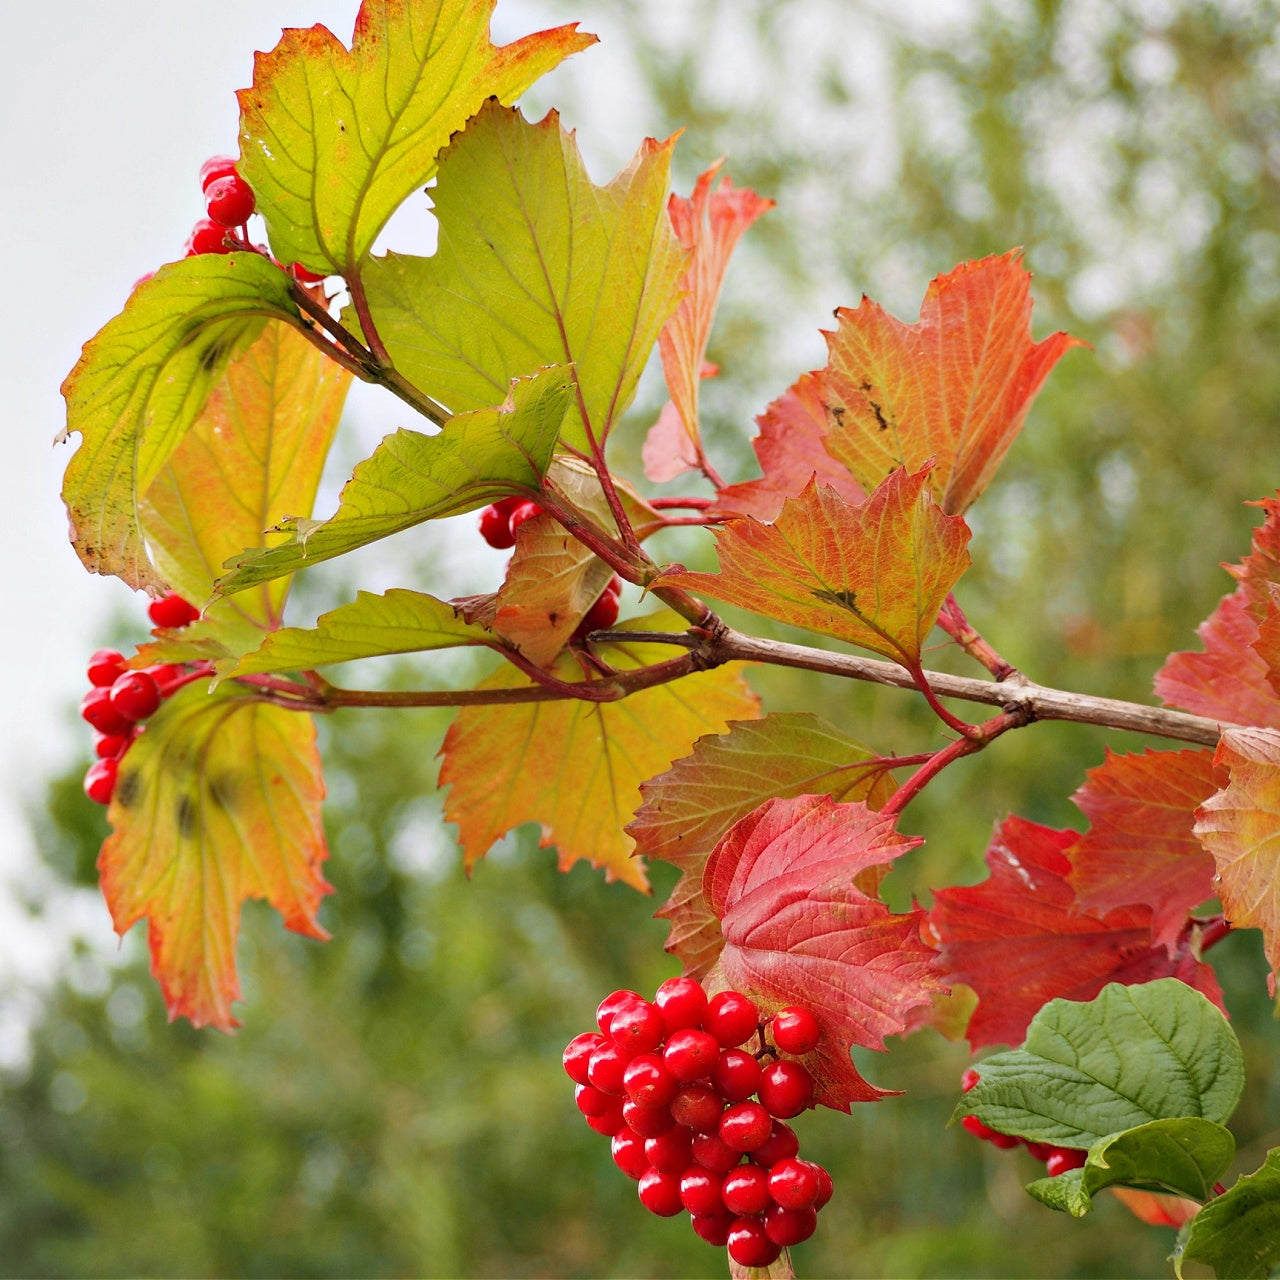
688 808
1140 847
709 224
791 449
1240 827
536 265
874 574
257 449
954 387
1020 938
798 929
476 458
576 767
141 383
333 140
218 801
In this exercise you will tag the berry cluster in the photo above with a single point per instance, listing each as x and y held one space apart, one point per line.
120 700
1056 1159
670 1083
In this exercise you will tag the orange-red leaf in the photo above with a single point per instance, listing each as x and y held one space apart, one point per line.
1140 847
954 387
217 802
1240 826
874 574
1020 938
797 929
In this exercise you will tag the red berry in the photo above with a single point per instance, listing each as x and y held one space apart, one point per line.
682 1002
207 237
789 1226
171 610
749 1246
712 1227
229 200
628 1153
96 709
711 1152
745 1126
106 666
1064 1158
303 276
746 1189
602 614
700 1190
690 1054
609 1121
611 1004
1041 1150
697 1107
590 1101
648 1081
216 167
135 695
166 675
1005 1141
732 1018
648 1122
111 746
660 1193
969 1079
795 1184
100 781
786 1088
638 1027
577 1055
606 1067
736 1074
782 1145
525 511
495 528
825 1190
670 1152
795 1030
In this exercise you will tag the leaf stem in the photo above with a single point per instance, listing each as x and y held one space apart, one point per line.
952 620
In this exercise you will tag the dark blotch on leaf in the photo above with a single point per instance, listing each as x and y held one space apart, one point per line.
222 790
128 789
842 599
185 814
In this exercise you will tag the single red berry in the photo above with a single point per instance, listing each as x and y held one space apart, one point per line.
732 1018
1064 1158
745 1126
647 1080
670 1152
525 511
602 614
682 1002
606 1067
795 1030
795 1184
749 1245
1005 1141
106 666
135 695
700 1190
590 1101
660 1193
1041 1150
648 1122
610 1121
304 276
746 1189
229 200
697 1107
100 781
208 236
111 746
96 709
638 1027
826 1188
711 1152
216 167
969 1079
167 676
781 1145
628 1153
610 1005
172 611
690 1054
495 528
577 1055
789 1226
736 1074
712 1227
786 1088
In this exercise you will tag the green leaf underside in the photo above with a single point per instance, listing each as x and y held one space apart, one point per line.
332 141
475 459
1182 1157
536 265
1131 1055
1238 1233
371 625
140 384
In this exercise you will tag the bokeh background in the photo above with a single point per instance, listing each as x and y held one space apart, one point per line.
393 1105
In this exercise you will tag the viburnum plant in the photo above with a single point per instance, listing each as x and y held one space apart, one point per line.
206 410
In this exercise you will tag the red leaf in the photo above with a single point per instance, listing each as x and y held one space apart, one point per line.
1020 939
1267 645
797 929
955 387
792 451
1140 847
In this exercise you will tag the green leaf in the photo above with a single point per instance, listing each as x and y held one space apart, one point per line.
370 626
140 384
1184 1157
536 265
1131 1055
1238 1232
476 458
332 141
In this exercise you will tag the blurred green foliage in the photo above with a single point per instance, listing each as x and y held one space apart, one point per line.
394 1103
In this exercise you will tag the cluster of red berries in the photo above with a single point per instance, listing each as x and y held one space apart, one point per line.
120 700
1056 1159
670 1084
